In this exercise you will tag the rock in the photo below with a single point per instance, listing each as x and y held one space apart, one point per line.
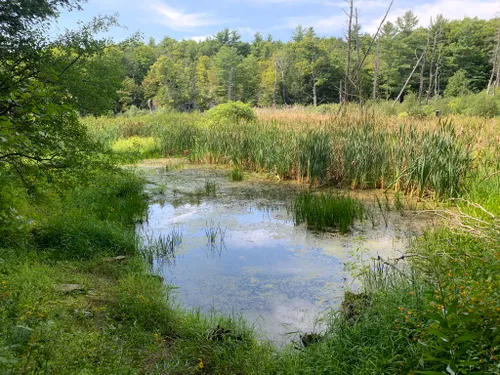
221 334
310 338
353 305
70 288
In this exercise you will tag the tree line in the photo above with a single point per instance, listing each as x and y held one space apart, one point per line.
447 58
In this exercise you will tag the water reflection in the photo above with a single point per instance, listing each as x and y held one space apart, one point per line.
241 252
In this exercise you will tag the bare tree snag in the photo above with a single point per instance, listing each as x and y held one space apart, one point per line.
408 80
376 71
421 87
349 47
495 63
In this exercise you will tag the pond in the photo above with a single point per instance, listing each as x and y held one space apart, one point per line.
280 277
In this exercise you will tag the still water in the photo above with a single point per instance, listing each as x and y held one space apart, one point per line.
280 277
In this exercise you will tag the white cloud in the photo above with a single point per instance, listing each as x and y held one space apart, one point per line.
177 19
372 11
322 25
451 9
200 38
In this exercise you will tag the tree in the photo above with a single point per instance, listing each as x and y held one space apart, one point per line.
39 129
227 73
458 84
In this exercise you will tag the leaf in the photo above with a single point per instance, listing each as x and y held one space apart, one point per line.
438 333
430 372
449 370
468 337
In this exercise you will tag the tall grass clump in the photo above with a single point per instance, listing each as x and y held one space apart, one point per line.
327 210
93 219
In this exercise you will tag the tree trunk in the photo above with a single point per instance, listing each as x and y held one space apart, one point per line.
408 80
495 62
283 86
376 72
230 85
436 74
349 46
422 69
358 59
315 94
497 83
275 82
431 69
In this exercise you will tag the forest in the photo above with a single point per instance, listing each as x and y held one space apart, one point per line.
451 57
166 206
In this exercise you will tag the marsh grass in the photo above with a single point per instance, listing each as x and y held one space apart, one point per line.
327 210
161 248
359 150
236 175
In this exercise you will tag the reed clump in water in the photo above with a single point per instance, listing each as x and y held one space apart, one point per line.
327 210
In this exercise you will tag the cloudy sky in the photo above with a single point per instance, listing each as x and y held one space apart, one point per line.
197 19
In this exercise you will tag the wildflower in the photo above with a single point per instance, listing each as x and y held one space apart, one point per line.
411 293
200 364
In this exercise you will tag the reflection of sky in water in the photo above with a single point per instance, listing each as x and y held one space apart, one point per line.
278 276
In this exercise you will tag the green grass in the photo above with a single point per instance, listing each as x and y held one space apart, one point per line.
141 147
327 210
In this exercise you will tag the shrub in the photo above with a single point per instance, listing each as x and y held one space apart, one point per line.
231 111
482 105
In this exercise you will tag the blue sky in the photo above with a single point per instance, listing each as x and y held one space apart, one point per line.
197 19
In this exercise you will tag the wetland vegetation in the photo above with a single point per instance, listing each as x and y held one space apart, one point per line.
88 239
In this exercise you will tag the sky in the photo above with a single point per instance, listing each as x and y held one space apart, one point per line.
198 19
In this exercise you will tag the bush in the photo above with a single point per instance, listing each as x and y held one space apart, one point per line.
482 105
231 111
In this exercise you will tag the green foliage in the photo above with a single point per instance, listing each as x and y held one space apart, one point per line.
482 105
92 219
143 147
231 111
458 84
326 210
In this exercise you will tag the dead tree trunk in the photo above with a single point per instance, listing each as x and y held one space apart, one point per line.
358 58
408 80
431 68
349 47
422 69
283 86
314 91
275 82
436 74
495 63
376 71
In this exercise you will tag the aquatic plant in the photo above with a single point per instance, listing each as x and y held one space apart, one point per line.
236 175
327 210
210 188
213 232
